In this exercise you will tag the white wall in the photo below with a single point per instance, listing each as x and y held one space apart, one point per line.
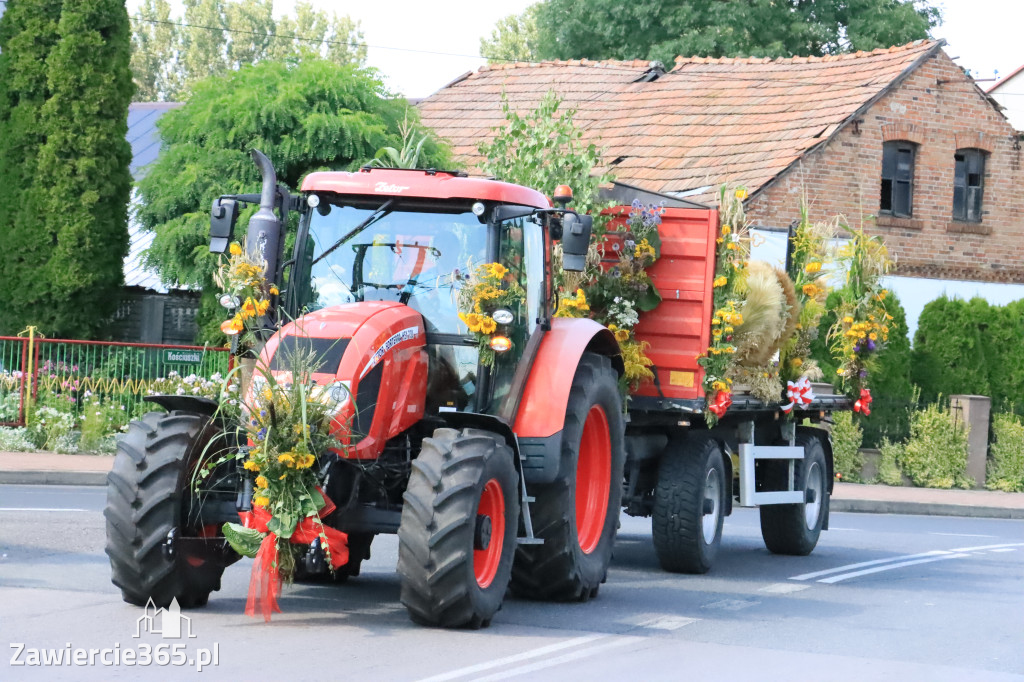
1010 94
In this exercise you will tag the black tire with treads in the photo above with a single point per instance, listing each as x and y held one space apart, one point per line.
148 496
559 569
683 504
439 527
784 527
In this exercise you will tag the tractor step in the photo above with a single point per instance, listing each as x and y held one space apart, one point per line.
749 454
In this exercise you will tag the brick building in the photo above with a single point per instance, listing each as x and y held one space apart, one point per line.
900 140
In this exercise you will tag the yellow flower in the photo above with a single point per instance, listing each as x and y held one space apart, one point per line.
488 325
728 329
720 281
716 332
731 246
235 249
287 459
261 481
261 306
497 270
248 309
720 385
274 291
236 324
810 289
741 193
305 461
726 230
873 336
251 465
622 335
797 362
261 501
812 268
847 320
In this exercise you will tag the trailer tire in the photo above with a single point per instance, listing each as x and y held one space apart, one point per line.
577 515
689 505
794 529
148 498
458 531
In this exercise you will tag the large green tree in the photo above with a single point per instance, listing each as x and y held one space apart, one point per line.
170 53
313 115
64 175
664 29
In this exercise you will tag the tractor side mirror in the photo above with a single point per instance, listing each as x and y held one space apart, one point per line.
575 241
223 217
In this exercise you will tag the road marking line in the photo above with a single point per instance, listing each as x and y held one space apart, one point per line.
566 658
889 567
525 656
1003 549
665 622
41 509
978 549
964 535
864 564
782 588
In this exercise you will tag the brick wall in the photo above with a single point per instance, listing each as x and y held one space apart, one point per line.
941 110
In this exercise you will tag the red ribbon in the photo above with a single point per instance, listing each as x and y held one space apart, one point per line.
265 582
799 393
720 403
864 404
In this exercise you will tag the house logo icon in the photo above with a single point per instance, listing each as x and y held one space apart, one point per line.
172 625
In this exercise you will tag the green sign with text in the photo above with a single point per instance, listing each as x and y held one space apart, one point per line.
186 357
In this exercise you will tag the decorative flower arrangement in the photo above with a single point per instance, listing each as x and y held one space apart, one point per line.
246 292
811 253
727 286
288 424
490 289
862 326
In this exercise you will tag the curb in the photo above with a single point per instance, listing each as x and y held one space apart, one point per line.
97 478
923 509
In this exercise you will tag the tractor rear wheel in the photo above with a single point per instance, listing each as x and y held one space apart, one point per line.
689 505
794 528
577 516
458 531
150 501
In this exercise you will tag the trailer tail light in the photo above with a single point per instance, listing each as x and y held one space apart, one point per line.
500 344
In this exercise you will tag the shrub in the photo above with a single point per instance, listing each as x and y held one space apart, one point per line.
949 348
100 422
48 428
1006 463
16 440
846 440
888 465
936 454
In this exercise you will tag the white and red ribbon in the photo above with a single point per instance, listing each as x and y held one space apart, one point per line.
799 393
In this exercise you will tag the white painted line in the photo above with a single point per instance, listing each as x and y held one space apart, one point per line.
983 547
666 622
1003 549
782 588
863 564
516 658
551 662
41 509
889 567
963 535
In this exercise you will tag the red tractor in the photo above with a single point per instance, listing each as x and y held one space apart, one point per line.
492 474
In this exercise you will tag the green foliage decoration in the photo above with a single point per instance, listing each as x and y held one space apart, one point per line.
893 393
315 115
1006 454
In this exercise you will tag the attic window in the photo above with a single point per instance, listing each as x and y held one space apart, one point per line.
617 161
968 184
655 71
898 178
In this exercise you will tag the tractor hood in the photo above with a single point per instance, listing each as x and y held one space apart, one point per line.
376 351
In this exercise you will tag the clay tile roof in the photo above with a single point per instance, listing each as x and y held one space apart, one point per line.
704 122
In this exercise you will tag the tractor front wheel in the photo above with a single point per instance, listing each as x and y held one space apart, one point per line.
150 501
577 516
458 531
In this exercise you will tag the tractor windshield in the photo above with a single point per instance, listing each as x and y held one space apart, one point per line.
420 258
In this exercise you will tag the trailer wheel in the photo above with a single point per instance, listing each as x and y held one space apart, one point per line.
148 501
794 528
689 505
458 531
577 516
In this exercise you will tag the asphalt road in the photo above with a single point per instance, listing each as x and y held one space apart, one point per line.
882 597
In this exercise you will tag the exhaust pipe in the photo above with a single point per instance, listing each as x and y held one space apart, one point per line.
264 235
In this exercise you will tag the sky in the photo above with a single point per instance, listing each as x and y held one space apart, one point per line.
419 47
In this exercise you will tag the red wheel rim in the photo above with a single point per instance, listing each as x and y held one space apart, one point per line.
593 478
486 561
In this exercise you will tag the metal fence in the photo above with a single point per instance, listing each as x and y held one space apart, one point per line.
67 375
